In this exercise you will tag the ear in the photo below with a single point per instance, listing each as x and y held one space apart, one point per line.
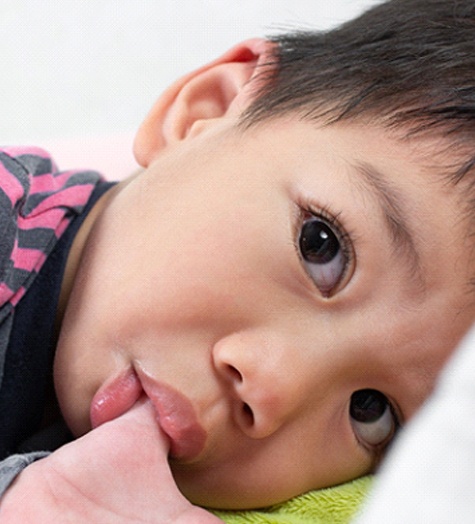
218 89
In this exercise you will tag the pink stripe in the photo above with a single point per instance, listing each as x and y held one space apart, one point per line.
49 182
26 258
15 151
50 220
26 150
70 197
17 296
5 293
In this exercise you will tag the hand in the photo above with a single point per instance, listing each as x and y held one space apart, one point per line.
118 474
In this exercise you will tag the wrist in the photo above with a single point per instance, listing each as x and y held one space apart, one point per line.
42 495
18 503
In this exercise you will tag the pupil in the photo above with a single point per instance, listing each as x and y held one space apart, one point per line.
318 243
367 405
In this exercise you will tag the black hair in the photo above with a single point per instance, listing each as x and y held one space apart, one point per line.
406 64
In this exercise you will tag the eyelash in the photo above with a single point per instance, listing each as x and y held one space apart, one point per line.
307 209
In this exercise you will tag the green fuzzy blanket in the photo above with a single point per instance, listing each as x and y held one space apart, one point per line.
337 505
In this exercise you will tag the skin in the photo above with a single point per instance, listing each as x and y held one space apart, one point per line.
68 486
190 272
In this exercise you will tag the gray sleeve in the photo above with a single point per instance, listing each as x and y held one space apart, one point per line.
15 464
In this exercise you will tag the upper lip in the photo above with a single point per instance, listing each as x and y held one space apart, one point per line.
176 416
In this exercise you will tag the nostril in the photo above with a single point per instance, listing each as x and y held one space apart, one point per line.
248 414
234 373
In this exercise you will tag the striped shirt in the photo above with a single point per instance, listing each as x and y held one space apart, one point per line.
37 203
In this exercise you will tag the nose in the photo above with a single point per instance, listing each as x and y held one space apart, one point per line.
260 378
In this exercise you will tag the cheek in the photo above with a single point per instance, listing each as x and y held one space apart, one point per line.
193 270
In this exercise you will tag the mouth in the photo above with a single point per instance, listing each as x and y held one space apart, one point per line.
175 413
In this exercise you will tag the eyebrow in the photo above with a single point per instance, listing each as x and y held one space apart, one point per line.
395 212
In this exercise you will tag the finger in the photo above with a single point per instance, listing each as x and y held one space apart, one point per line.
140 425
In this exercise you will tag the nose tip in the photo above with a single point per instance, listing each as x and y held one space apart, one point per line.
256 394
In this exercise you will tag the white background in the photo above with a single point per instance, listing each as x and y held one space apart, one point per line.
85 67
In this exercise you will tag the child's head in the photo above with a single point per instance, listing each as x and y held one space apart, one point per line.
299 274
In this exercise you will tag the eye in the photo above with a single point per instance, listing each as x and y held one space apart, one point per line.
372 418
324 255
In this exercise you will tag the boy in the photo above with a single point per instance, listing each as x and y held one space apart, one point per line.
273 296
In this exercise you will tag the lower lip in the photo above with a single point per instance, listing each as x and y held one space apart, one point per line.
176 417
115 398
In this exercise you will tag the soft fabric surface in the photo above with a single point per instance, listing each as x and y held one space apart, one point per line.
337 505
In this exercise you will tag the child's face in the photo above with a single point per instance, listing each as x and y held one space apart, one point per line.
208 274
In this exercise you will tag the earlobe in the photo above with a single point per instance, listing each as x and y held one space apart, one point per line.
213 91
